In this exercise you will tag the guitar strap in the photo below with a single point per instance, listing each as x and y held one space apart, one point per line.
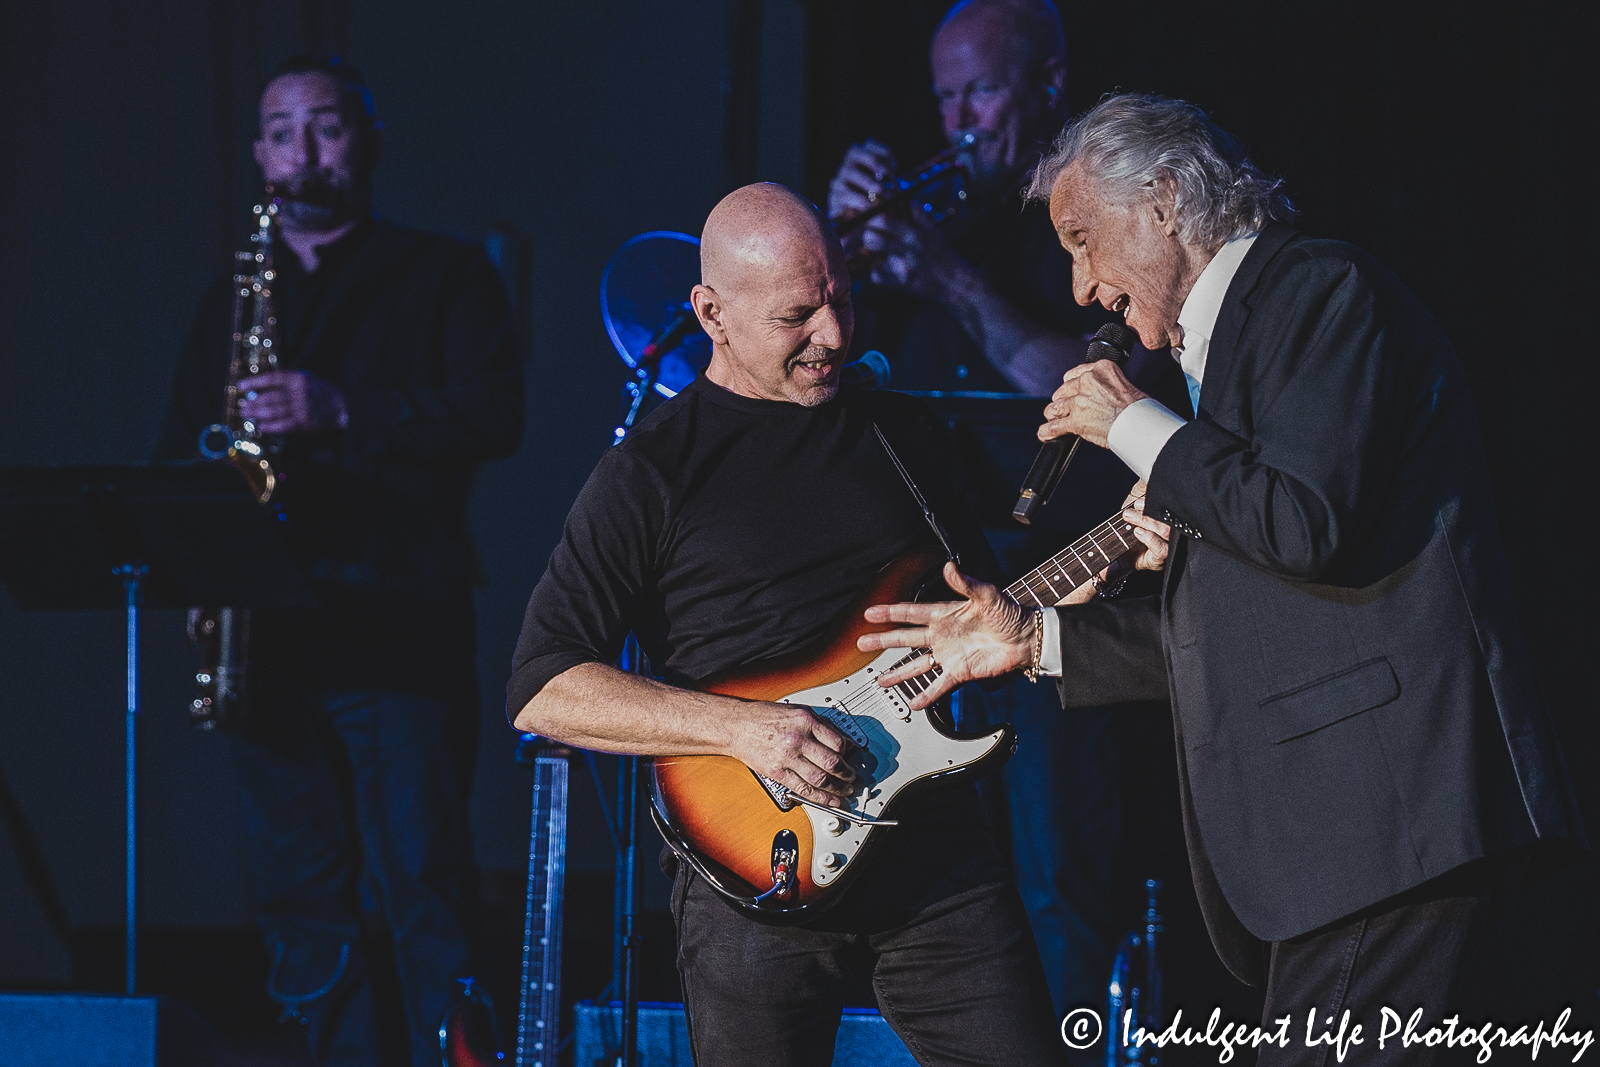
927 512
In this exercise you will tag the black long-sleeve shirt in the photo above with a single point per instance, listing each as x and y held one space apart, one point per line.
727 531
415 329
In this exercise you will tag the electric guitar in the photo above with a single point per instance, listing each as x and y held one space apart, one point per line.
539 1016
467 1036
785 859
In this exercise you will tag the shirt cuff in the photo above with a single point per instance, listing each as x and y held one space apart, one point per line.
1139 433
1050 652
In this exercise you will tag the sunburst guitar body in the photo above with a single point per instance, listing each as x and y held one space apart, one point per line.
785 861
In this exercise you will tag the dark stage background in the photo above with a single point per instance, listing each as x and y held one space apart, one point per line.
1453 146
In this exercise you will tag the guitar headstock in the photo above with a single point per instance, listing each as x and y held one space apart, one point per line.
531 747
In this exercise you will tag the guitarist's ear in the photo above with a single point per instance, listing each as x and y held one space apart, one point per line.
708 308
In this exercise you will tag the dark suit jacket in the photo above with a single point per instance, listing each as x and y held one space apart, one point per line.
1355 707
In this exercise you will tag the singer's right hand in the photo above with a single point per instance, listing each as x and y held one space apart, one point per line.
1091 397
985 635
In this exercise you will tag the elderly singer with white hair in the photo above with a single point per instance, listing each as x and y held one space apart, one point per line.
1364 755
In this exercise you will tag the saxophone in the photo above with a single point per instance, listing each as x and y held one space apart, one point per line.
224 633
255 333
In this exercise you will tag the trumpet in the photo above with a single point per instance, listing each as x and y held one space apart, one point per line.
937 182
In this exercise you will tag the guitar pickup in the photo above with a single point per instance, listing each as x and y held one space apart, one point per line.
840 720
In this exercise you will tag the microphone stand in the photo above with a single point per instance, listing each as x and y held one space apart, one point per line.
648 365
630 771
132 575
625 925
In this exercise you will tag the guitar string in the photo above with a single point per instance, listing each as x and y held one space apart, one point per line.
1060 562
1063 562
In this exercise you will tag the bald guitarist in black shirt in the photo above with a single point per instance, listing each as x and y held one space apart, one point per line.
735 527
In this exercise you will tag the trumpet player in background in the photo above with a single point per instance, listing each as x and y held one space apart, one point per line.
398 373
984 302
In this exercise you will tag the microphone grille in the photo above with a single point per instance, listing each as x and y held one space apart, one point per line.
1113 341
871 371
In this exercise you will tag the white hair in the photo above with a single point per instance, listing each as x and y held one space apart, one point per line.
1128 143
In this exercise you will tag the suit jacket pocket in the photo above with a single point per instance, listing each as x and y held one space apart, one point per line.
1325 701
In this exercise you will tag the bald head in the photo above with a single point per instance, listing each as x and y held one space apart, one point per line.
1032 26
760 230
774 297
999 72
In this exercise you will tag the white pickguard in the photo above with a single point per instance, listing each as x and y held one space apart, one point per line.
895 747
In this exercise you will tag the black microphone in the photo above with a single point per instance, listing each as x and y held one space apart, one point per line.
1113 341
670 335
871 371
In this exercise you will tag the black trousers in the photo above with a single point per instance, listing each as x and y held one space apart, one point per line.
1061 813
346 797
1415 950
960 983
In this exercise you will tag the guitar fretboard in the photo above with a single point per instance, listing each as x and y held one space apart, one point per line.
1046 584
1065 571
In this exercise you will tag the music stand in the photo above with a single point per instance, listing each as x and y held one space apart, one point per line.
180 536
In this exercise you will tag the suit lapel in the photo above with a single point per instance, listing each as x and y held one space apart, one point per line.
1217 395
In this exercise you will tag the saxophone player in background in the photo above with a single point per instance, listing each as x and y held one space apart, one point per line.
398 374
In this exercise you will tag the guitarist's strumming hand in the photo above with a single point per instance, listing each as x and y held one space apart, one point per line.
596 706
986 635
796 749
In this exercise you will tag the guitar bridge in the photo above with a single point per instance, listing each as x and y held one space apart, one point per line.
779 793
840 720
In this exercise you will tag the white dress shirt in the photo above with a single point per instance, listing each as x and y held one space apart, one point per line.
1138 434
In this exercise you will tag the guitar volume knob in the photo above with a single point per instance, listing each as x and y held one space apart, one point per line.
832 861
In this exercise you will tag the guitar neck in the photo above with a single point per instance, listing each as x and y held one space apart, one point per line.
1046 584
1056 577
538 1024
